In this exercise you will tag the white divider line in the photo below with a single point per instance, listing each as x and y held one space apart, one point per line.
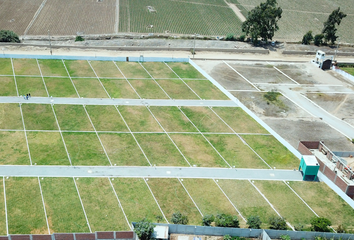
168 135
89 62
271 205
119 203
40 70
243 141
205 138
70 78
242 76
156 200
126 124
45 211
24 130
285 75
105 152
183 81
230 90
7 222
126 79
14 76
244 219
155 81
82 205
190 197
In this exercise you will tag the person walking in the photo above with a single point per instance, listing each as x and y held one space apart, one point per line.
29 95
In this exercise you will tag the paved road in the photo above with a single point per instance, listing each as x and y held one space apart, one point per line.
150 172
131 102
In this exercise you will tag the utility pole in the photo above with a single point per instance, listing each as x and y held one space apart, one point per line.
335 53
50 43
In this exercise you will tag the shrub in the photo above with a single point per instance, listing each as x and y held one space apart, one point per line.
226 220
79 39
179 218
208 219
242 38
230 37
158 218
320 224
271 95
318 40
227 237
341 229
144 229
254 222
277 223
8 36
307 38
285 237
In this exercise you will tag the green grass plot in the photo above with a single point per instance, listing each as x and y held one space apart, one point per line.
136 199
52 67
8 87
106 118
160 150
64 210
34 86
206 90
47 148
176 89
10 116
89 88
159 70
349 70
101 205
2 209
72 117
39 117
85 149
272 151
5 66
24 66
119 88
79 68
24 206
106 69
13 149
139 119
172 198
132 70
148 89
123 150
60 87
185 70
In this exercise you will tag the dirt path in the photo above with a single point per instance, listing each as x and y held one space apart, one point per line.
236 11
340 105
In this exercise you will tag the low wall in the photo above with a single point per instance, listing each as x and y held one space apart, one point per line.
124 235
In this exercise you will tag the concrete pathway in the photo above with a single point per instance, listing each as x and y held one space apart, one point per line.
150 172
130 102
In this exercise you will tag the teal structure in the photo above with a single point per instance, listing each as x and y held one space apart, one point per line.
309 167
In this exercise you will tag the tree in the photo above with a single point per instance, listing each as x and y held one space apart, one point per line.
320 224
8 36
262 21
307 38
254 222
144 229
318 40
179 218
226 220
208 219
329 29
277 223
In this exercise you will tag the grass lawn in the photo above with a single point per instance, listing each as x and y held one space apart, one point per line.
206 90
85 149
101 205
5 66
25 206
349 70
39 117
208 197
136 199
89 88
325 202
205 120
235 152
185 70
8 87
160 150
106 69
172 198
132 70
176 89
26 67
172 120
47 148
272 151
106 118
60 87
13 148
286 202
123 150
79 68
197 150
139 119
72 117
52 67
148 89
34 86
247 199
119 88
2 209
65 214
10 116
239 120
159 70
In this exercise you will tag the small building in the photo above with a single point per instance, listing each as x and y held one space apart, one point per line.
160 232
309 167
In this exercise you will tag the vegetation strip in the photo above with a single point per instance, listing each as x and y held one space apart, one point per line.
45 86
24 130
98 78
126 78
190 197
45 211
82 205
7 222
14 76
70 78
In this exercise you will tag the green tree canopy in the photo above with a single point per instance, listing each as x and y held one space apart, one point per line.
254 222
8 36
179 218
277 223
262 21
226 220
144 229
330 29
307 38
320 224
